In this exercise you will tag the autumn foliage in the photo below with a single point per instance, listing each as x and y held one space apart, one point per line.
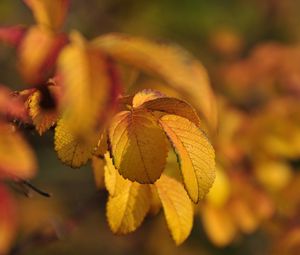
164 142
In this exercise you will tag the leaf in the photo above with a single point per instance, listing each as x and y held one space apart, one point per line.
167 105
138 146
169 62
144 96
127 210
195 153
218 224
17 159
8 220
38 52
177 207
98 170
89 96
114 182
11 104
42 119
71 150
12 35
49 13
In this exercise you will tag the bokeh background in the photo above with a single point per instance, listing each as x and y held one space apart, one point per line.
250 49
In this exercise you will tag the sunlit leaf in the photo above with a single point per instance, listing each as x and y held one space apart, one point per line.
138 146
71 150
167 105
196 155
170 62
49 13
177 207
17 159
127 210
144 96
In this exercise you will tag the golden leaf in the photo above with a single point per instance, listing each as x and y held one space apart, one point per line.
114 182
218 224
71 150
171 63
177 207
127 210
138 146
172 106
49 13
88 82
16 157
155 203
144 96
196 155
42 119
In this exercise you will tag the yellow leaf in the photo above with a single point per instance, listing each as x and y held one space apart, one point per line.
196 155
16 157
38 52
138 146
171 63
72 151
127 210
177 207
98 170
42 119
145 95
171 106
49 13
218 224
114 182
220 191
88 82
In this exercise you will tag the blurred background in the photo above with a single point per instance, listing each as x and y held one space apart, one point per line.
252 53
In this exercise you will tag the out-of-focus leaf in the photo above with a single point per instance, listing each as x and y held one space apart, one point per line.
11 104
49 13
71 150
177 207
89 81
38 52
171 63
138 146
8 220
218 224
220 192
195 153
17 159
12 35
127 210
42 119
